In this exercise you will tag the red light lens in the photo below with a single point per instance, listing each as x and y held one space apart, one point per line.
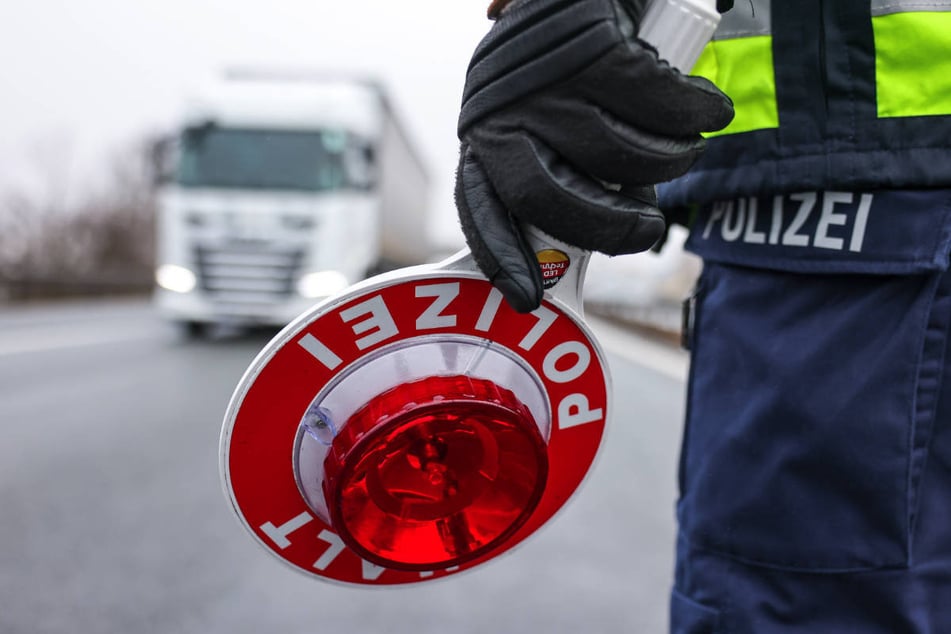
435 473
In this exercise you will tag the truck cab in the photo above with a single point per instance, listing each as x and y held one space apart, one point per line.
281 194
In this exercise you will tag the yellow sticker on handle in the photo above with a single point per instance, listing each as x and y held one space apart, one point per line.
554 264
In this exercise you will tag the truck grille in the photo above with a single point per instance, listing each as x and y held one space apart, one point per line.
247 275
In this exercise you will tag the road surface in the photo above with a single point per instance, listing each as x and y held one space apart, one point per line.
112 518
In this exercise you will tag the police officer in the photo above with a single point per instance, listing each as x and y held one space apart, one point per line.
815 470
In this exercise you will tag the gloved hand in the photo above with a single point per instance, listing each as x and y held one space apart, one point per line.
567 122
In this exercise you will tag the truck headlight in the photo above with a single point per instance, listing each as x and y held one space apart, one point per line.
322 284
175 278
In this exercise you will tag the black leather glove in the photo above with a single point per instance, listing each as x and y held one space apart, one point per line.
567 122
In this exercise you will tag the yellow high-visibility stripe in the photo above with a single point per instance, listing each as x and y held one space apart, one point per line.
743 69
913 63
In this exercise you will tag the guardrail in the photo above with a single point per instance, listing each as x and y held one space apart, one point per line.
30 288
661 319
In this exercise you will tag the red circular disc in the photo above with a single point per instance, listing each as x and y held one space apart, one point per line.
263 425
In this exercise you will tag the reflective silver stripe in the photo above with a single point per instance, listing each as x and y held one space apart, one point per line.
887 7
745 19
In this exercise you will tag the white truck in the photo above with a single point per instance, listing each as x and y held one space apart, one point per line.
283 190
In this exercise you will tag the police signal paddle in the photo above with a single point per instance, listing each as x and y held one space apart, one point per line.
416 425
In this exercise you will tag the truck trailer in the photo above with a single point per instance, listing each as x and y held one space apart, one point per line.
284 190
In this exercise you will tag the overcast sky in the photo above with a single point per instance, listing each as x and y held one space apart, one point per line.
78 78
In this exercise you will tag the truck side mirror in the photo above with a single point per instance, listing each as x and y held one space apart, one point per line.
369 154
163 159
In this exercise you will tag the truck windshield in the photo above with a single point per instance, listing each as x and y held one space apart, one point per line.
311 160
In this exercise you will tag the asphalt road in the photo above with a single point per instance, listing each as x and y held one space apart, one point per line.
112 517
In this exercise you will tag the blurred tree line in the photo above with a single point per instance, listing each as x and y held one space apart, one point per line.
102 242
